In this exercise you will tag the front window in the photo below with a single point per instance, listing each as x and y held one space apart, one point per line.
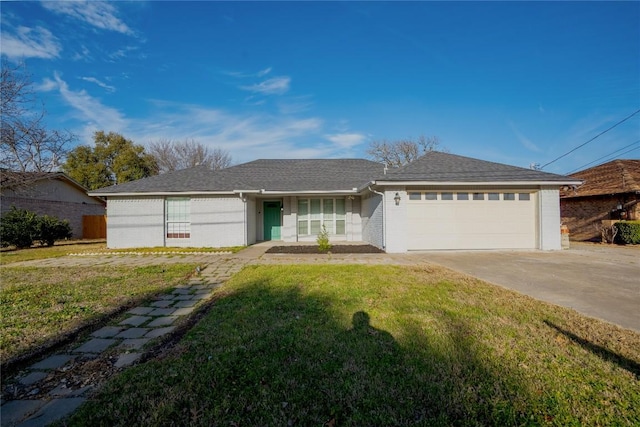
314 213
178 218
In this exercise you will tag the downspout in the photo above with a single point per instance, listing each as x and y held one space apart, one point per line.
246 220
384 219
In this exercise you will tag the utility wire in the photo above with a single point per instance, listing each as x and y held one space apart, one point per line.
598 135
606 155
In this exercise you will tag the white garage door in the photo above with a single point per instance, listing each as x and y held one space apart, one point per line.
468 220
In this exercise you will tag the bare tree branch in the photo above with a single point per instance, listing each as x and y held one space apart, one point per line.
174 155
25 142
400 152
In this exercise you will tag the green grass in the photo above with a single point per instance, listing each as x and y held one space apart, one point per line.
8 256
379 346
40 305
60 249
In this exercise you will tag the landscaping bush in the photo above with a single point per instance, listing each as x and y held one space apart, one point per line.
51 229
323 241
628 232
19 228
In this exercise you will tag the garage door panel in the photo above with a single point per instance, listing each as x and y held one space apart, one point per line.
471 224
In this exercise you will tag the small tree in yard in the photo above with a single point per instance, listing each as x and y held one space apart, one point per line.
51 229
323 241
20 228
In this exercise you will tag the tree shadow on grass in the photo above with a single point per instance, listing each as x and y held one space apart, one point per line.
267 354
607 355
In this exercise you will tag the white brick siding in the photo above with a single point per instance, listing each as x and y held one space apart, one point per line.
215 222
396 220
371 216
549 217
135 222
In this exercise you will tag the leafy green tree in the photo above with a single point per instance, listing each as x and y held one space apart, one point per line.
113 160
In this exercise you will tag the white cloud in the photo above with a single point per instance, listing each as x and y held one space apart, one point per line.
101 15
273 86
27 42
99 83
245 136
346 140
526 142
264 72
90 111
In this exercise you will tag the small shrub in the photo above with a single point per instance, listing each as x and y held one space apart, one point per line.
628 232
18 227
51 229
323 240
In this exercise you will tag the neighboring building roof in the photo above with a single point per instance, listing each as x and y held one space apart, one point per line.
306 175
18 181
329 175
12 179
441 167
614 177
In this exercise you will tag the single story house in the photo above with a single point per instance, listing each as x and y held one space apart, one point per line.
49 193
611 191
439 201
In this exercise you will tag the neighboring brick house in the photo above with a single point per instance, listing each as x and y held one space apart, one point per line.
49 193
609 191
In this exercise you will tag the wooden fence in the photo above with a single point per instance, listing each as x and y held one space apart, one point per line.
94 226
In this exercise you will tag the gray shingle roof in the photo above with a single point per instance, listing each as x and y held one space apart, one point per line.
327 175
271 175
444 167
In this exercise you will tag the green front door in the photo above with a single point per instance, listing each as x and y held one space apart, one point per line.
271 220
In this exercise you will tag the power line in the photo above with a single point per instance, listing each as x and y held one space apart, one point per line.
606 155
598 135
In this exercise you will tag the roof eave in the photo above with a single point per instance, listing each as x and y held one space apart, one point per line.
161 193
477 183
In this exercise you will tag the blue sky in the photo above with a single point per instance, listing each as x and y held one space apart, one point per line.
512 82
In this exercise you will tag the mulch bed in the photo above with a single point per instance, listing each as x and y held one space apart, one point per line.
335 249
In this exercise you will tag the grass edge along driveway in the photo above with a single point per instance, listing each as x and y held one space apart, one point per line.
380 345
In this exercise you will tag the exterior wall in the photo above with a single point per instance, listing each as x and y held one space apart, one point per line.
215 222
135 222
54 198
371 217
354 220
396 220
584 214
289 219
549 217
251 221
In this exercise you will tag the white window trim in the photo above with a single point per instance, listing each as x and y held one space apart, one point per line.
333 219
186 223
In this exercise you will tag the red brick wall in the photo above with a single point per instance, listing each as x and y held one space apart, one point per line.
582 214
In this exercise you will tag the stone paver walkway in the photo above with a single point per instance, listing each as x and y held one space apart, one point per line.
54 387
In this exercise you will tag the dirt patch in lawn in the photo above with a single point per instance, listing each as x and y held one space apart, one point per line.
335 249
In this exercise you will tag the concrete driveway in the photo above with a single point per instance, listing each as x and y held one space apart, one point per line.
597 280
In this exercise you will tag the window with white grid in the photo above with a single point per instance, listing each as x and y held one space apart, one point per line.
178 218
314 213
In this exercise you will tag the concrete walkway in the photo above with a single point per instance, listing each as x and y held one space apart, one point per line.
54 387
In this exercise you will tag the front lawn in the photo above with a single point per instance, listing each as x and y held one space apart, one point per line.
60 249
40 305
379 346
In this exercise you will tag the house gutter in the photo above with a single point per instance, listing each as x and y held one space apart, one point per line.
246 220
384 219
479 183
